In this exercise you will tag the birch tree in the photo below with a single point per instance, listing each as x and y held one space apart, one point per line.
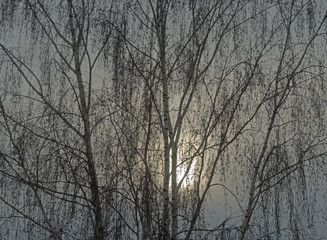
125 119
55 87
224 64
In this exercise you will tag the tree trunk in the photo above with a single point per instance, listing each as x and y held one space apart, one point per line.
174 192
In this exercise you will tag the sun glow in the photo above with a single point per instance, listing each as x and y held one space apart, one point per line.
185 171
